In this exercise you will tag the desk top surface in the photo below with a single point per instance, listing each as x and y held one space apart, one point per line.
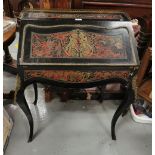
73 14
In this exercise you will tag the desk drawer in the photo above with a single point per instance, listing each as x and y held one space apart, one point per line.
72 76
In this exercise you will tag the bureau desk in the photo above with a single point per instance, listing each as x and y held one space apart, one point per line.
76 49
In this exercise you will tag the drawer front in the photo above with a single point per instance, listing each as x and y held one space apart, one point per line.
72 76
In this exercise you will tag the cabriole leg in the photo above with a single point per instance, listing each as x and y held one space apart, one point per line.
36 93
21 101
121 109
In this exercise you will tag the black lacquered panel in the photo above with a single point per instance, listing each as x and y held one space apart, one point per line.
71 42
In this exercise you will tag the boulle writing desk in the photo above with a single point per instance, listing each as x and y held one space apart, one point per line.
76 49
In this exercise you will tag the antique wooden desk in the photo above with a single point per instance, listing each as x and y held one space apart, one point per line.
76 49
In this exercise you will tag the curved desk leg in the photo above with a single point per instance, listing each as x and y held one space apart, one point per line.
125 112
36 93
102 89
7 56
21 101
121 109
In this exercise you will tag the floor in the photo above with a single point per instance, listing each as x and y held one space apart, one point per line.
73 127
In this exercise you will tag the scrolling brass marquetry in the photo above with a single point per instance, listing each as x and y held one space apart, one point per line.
73 76
77 43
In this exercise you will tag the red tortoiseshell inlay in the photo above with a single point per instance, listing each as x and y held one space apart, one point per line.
77 44
76 76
